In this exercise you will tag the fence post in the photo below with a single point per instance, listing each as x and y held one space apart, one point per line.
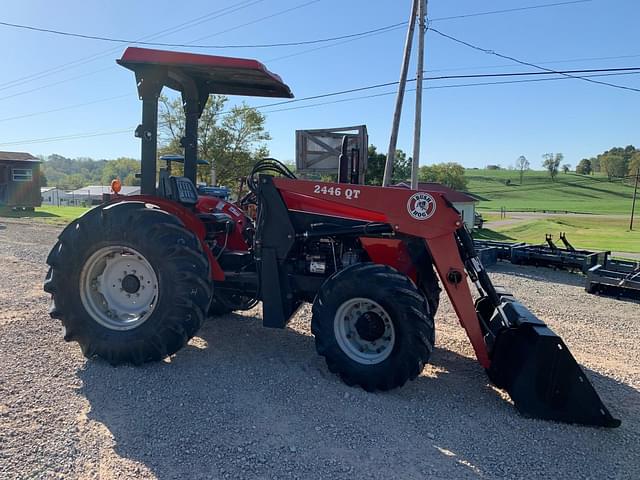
633 205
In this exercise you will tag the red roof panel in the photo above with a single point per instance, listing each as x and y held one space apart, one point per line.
222 75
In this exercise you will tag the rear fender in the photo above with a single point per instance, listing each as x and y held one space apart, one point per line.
186 216
236 240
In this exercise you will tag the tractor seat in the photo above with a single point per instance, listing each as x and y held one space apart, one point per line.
217 223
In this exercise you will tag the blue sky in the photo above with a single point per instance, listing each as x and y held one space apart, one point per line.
470 125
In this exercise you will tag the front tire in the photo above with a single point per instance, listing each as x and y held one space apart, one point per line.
129 282
373 326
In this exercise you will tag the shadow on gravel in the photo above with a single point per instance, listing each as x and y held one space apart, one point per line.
259 403
550 275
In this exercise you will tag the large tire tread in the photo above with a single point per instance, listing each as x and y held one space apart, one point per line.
180 263
410 312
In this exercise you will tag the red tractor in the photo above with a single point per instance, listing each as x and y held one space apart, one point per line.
133 279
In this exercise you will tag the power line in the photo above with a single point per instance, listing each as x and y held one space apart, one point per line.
245 4
266 45
387 84
89 59
67 137
192 45
128 130
522 62
69 107
402 24
433 78
84 60
519 74
437 87
509 10
225 11
391 28
35 89
257 20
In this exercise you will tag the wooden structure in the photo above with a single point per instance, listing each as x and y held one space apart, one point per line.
19 180
318 151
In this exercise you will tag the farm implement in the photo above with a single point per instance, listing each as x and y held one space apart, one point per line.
604 274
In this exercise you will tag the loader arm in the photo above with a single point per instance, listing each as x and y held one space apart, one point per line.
520 352
391 205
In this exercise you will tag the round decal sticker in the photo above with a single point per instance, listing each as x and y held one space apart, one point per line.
421 206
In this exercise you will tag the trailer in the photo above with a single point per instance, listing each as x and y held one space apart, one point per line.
614 277
503 249
547 256
604 275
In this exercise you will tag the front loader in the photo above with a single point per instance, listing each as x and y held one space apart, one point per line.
134 278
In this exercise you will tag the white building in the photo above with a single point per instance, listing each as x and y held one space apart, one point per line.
52 196
94 194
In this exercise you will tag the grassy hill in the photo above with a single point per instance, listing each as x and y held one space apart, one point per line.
570 192
584 232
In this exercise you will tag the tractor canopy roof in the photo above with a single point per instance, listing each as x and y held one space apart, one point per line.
212 74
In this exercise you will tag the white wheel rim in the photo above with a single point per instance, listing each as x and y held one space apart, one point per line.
118 288
364 331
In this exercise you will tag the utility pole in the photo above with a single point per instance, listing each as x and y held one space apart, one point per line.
422 13
635 194
393 141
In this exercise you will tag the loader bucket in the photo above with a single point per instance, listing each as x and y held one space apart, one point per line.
535 367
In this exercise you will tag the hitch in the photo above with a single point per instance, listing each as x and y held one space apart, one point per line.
528 359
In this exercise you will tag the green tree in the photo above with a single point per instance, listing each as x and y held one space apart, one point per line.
375 166
613 165
552 162
122 168
566 168
449 174
376 163
75 181
634 164
595 165
584 167
522 165
70 173
231 140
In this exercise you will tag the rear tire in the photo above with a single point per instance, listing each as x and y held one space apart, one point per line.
373 326
100 311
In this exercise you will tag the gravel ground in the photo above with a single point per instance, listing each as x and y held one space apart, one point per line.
246 402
